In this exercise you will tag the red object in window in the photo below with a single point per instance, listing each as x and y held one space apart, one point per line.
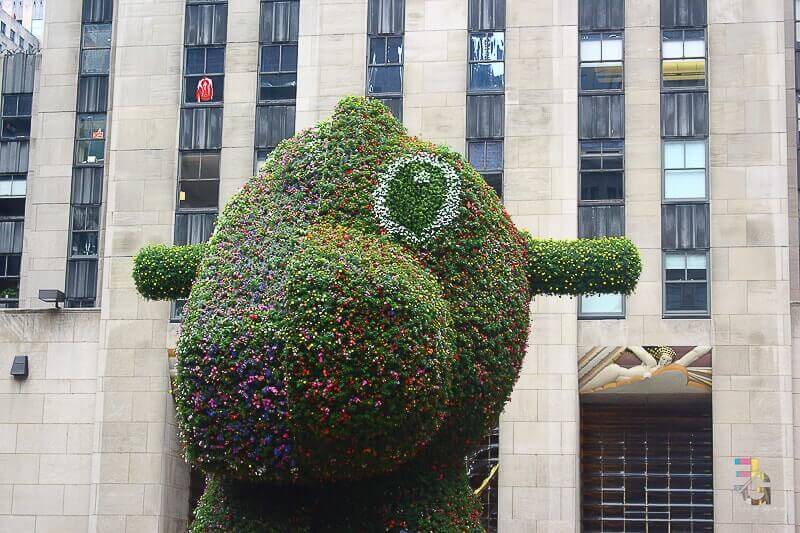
205 90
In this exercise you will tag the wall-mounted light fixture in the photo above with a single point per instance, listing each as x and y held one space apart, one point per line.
19 368
52 296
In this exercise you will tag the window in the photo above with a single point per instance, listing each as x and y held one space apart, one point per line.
685 170
206 24
684 63
81 282
486 156
280 21
16 116
385 65
385 26
3 28
487 14
686 283
683 13
199 180
601 306
278 72
85 231
97 10
601 170
261 157
96 49
204 75
194 228
21 42
486 61
90 140
12 186
685 226
13 36
601 62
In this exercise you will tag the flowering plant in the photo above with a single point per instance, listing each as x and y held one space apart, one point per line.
357 323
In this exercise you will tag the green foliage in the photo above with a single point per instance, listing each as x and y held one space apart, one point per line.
164 272
585 266
357 324
364 315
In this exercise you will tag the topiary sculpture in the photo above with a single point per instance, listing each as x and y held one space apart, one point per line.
357 322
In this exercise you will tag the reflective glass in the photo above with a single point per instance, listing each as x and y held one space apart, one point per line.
486 76
384 80
394 50
489 46
602 304
95 61
278 87
680 184
96 35
270 58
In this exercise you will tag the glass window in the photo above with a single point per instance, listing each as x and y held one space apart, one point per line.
686 283
91 139
684 64
602 170
3 28
684 170
13 36
21 42
385 71
17 105
486 155
95 61
199 180
96 36
10 265
601 67
278 72
486 61
261 158
602 305
12 185
204 75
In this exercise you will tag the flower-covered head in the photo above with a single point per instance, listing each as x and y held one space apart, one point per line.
363 300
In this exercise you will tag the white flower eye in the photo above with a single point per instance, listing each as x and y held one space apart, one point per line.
416 196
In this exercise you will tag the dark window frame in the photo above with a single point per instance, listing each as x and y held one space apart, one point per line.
186 210
396 97
213 75
683 313
663 60
582 62
25 118
471 62
89 140
603 154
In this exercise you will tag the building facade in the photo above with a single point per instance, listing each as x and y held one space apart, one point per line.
673 122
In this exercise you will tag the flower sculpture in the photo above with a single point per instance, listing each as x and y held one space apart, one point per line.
354 326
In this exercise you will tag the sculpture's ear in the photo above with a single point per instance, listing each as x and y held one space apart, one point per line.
609 265
164 272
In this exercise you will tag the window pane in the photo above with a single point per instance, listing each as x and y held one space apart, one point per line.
96 35
674 155
91 152
24 103
199 194
215 60
278 86
672 44
687 297
13 265
486 76
612 47
377 50
684 184
95 61
6 185
487 46
494 155
385 80
270 58
684 73
477 155
209 167
591 48
195 61
696 261
601 76
9 106
696 154
14 128
694 44
675 262
190 165
84 243
18 186
204 89
394 50
602 304
601 186
92 127
289 58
